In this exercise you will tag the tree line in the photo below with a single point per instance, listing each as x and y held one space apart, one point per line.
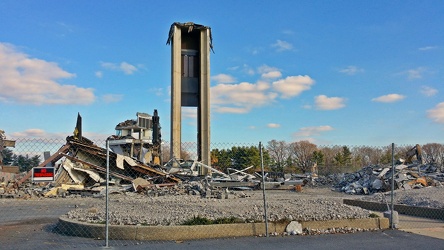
286 157
299 157
24 162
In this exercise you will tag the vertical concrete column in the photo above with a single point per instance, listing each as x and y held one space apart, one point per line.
204 109
190 84
176 90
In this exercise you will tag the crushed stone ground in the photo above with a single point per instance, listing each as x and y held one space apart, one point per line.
311 204
432 197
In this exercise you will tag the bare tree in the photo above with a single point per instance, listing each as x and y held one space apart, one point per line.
329 154
279 154
366 155
401 151
165 153
302 154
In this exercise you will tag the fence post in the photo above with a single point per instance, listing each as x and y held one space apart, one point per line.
263 190
392 187
106 196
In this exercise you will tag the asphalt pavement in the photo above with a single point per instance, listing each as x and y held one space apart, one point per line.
388 239
422 226
38 234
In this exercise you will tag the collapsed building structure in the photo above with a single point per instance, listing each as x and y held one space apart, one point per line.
133 162
81 165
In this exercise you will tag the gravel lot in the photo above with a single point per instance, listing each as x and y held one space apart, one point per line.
310 204
432 197
137 209
140 209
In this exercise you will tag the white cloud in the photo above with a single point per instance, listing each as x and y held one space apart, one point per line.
160 91
273 125
265 69
33 133
125 67
293 85
268 72
428 48
28 80
282 45
189 113
389 98
288 32
272 74
428 91
240 98
248 70
108 65
110 98
351 70
42 134
243 97
312 131
99 74
437 113
323 102
223 78
413 74
233 110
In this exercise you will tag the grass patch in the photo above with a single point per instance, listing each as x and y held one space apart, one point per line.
197 220
373 215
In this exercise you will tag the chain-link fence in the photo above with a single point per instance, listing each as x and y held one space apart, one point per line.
79 193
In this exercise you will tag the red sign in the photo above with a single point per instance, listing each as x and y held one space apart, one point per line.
43 174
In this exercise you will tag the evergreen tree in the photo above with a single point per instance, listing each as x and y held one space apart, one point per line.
7 156
25 163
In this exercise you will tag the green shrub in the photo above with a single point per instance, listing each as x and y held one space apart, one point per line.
373 215
197 220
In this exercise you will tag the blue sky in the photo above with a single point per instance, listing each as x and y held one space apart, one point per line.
331 72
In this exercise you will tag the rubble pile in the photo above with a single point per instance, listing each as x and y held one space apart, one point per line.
375 178
200 189
326 180
430 197
79 169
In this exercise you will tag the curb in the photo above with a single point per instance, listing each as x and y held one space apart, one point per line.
424 212
117 232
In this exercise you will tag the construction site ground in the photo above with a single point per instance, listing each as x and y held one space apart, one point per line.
33 221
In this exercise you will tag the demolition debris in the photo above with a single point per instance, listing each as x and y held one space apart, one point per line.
373 179
134 164
79 166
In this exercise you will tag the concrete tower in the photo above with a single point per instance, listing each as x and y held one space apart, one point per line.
190 83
